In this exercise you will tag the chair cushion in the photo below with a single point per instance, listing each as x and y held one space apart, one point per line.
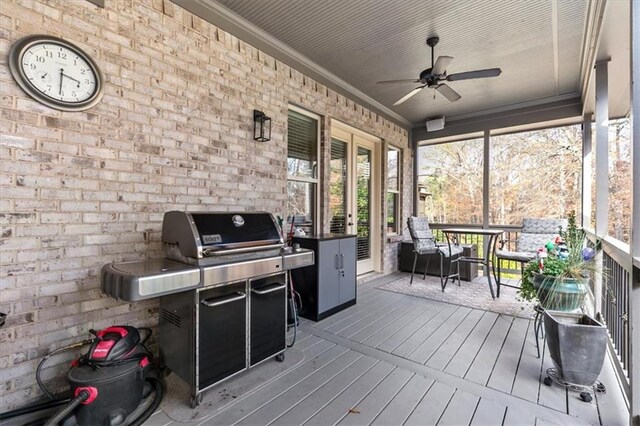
519 256
543 226
455 250
532 242
423 239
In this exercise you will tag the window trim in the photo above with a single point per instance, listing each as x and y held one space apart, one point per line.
316 179
398 191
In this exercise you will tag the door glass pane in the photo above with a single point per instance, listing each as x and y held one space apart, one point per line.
338 186
363 176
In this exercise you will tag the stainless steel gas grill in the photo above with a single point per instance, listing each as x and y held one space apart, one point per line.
223 293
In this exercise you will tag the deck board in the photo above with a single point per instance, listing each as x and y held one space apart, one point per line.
430 408
482 365
450 314
373 404
392 327
444 354
554 396
401 407
328 382
504 371
423 326
350 397
460 409
488 413
462 360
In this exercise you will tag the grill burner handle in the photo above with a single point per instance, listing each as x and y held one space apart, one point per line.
270 290
217 301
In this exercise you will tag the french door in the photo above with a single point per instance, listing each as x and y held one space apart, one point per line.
353 193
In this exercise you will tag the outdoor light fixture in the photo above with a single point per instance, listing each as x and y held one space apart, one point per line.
261 126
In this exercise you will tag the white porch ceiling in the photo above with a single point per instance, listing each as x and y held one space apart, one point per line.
536 43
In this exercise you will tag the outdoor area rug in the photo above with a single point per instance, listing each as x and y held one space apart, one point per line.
473 294
176 401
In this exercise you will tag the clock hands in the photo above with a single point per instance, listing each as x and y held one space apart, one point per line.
62 75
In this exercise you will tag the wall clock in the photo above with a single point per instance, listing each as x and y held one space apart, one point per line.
56 73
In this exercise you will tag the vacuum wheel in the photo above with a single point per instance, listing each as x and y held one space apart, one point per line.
548 381
194 401
280 357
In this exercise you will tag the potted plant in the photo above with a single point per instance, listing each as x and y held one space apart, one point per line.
559 277
559 280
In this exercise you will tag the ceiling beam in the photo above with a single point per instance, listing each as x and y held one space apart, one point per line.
239 27
565 108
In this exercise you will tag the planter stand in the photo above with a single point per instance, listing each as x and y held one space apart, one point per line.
585 394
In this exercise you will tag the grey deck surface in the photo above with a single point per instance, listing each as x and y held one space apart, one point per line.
394 359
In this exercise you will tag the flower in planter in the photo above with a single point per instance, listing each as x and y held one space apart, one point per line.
559 277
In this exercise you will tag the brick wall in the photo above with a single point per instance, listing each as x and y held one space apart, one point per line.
173 131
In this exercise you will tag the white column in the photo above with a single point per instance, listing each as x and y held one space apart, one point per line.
634 303
602 170
602 149
587 173
485 179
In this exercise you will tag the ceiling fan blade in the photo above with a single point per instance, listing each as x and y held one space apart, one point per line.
405 80
408 95
441 65
448 92
491 72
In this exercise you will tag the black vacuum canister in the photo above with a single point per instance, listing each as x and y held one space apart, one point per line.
115 391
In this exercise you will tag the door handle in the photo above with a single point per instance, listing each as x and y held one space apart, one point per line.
341 261
337 261
217 301
269 290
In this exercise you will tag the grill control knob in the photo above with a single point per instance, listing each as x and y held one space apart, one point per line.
296 248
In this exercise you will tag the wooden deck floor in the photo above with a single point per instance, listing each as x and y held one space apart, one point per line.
394 359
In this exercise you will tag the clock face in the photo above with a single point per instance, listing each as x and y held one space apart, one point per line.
55 72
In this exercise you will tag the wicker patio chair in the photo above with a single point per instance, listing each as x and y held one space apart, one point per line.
535 234
424 242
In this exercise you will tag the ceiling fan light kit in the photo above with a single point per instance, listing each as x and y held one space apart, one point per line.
434 76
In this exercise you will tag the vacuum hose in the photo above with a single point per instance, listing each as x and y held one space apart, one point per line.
63 412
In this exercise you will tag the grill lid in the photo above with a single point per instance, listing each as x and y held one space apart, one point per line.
200 234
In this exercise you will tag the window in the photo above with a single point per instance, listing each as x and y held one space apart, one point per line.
450 182
394 159
535 174
302 169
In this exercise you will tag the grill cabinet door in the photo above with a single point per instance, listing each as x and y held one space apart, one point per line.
268 317
222 333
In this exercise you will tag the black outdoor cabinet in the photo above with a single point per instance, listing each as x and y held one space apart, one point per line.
468 271
329 285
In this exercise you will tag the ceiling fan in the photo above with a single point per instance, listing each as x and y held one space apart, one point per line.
432 77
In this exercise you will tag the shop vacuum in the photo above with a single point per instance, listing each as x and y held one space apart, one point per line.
112 384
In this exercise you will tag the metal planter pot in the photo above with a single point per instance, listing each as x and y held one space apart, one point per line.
565 294
577 344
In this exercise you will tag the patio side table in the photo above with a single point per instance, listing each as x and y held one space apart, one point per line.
493 235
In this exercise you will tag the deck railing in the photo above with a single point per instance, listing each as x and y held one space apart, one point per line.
614 288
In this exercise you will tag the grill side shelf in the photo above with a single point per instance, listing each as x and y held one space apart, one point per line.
146 279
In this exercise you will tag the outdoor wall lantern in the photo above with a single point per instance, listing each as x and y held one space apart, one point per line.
261 126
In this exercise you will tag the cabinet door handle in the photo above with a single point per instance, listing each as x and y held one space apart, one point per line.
337 261
341 260
217 301
268 290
